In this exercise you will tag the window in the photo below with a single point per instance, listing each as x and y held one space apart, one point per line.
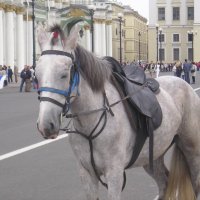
190 13
161 37
176 13
190 37
175 37
161 54
161 14
176 53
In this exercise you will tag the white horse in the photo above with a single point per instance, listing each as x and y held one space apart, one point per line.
68 72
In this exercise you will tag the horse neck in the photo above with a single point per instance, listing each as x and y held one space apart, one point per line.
87 100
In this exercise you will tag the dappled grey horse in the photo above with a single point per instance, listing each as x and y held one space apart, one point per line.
71 78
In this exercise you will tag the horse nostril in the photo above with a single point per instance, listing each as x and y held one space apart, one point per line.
52 125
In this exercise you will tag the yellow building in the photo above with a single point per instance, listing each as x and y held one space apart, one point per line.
174 30
135 31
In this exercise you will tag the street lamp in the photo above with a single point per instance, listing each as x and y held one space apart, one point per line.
92 9
33 18
157 25
139 35
120 37
160 39
192 33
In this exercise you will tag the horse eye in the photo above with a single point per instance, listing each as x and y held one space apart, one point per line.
64 76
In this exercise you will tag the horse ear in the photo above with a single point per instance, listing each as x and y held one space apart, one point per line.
72 39
42 37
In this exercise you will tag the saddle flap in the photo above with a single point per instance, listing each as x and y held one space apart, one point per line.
144 100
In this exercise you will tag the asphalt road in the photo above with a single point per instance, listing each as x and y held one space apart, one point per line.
48 172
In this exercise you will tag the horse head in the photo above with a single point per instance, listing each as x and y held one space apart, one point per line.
57 76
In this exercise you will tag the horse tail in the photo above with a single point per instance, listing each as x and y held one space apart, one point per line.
179 183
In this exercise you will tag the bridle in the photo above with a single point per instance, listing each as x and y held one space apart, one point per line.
73 84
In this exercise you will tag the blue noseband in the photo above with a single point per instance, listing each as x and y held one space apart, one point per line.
74 83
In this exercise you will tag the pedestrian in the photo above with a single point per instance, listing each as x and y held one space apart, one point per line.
178 68
187 68
193 72
10 74
151 69
174 69
16 74
25 78
157 70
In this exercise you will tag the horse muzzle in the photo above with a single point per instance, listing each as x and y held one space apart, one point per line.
48 130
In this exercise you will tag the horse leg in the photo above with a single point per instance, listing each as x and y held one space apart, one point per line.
90 183
160 175
115 179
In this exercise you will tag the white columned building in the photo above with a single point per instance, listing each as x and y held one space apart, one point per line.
10 48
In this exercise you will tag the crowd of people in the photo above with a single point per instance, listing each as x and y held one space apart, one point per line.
184 70
28 79
27 75
7 74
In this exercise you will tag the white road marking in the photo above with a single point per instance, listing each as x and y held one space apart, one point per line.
33 146
196 89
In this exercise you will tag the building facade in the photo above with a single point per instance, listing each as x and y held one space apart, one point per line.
174 29
100 28
135 33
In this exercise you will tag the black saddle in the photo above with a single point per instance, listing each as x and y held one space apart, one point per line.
141 90
142 101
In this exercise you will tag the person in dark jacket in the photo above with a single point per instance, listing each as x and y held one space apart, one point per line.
25 76
187 68
10 74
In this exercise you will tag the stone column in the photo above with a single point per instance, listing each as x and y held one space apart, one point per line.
196 29
96 38
10 47
103 38
109 38
29 40
20 38
1 34
88 38
99 37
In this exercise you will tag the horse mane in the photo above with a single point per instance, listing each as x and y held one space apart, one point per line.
95 70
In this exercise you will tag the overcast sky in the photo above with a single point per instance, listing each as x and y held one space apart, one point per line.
142 6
